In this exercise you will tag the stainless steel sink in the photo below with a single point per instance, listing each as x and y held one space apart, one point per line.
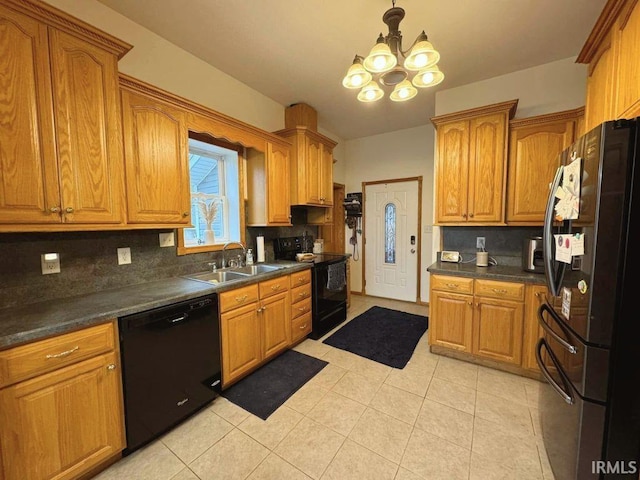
256 269
218 277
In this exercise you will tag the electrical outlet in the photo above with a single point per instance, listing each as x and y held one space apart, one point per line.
480 243
124 256
166 239
50 263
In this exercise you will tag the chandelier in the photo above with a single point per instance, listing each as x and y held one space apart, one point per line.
383 64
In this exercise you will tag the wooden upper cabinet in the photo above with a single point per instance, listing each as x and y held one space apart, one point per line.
60 132
534 147
471 165
268 195
311 166
628 38
89 134
156 159
610 51
278 192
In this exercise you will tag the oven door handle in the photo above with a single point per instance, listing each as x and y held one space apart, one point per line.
566 345
561 391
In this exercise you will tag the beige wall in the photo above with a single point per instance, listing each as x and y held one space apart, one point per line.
400 154
543 89
161 63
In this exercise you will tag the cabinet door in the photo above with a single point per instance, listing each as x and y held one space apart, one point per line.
157 161
601 85
452 170
313 167
241 349
497 330
486 168
533 161
326 176
451 317
28 166
276 323
64 423
628 62
278 178
88 130
534 297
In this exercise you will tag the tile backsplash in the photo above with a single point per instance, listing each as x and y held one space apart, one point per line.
504 244
89 262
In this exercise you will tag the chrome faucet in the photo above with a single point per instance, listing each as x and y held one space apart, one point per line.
224 257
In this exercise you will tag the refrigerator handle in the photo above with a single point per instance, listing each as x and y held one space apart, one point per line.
559 390
566 345
552 283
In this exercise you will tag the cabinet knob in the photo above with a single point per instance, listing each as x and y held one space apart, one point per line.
111 366
302 327
471 215
54 209
470 303
241 299
68 210
464 215
185 214
275 287
259 309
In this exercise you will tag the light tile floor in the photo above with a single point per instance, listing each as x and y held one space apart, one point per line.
438 418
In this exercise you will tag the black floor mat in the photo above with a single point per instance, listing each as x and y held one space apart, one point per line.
263 391
381 334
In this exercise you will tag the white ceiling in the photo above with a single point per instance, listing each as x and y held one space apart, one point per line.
298 50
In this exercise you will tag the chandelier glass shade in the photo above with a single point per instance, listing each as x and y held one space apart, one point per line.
384 64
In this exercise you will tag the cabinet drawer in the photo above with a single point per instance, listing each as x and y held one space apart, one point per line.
238 297
300 327
26 361
274 286
300 308
301 293
501 290
452 284
300 278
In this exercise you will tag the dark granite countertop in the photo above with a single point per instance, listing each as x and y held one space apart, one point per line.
36 321
493 272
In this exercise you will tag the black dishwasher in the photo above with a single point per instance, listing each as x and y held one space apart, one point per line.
170 366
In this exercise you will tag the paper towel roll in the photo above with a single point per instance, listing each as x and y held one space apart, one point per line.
260 248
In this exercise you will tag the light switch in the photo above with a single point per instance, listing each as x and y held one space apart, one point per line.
167 239
124 256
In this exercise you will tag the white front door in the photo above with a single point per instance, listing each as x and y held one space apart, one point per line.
391 240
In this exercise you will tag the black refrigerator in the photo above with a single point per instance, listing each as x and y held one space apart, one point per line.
589 352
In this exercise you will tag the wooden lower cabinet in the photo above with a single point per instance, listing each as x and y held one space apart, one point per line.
258 322
241 350
497 330
64 423
479 318
276 325
451 320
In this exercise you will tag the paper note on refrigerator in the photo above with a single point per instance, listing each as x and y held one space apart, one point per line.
563 248
577 244
568 206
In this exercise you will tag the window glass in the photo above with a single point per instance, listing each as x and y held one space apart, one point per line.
390 233
214 177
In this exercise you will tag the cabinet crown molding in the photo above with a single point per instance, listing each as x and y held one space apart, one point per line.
508 106
601 28
302 130
140 86
547 117
72 25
